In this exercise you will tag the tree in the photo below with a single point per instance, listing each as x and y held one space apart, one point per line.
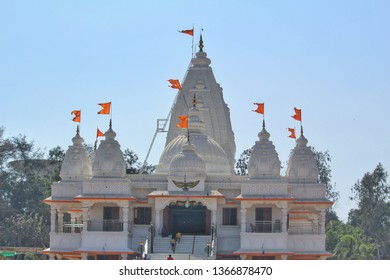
325 173
22 187
348 242
133 166
372 194
242 162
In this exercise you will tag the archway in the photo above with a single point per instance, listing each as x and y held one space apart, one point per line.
187 217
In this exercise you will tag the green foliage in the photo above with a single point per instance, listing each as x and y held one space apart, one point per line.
348 242
133 166
22 187
242 162
372 194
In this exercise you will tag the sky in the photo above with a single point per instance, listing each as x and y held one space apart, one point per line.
329 58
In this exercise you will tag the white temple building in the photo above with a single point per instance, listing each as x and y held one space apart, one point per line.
100 212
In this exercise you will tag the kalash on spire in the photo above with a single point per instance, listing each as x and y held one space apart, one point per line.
200 81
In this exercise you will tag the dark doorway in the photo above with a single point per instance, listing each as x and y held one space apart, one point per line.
188 220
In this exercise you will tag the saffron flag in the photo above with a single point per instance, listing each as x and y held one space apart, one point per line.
298 114
99 133
77 115
106 108
183 122
292 131
260 108
188 32
175 84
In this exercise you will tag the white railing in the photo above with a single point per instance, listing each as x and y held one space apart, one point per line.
303 228
265 226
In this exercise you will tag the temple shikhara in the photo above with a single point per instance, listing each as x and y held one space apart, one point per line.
100 212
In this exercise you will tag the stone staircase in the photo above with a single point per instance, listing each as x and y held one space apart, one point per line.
190 247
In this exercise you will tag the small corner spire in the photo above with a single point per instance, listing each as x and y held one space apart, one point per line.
95 146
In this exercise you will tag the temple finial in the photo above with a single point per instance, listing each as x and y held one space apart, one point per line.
78 130
201 43
95 146
110 125
301 130
188 136
263 123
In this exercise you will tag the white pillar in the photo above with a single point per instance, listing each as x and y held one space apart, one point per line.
84 256
157 222
214 217
284 219
322 222
85 218
283 257
126 217
52 257
52 219
124 256
73 222
60 221
243 219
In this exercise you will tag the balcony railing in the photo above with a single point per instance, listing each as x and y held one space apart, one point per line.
105 225
304 228
265 226
69 228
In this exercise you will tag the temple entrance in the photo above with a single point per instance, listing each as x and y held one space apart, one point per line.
187 219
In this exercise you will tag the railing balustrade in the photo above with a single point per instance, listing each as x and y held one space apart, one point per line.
265 226
105 225
303 228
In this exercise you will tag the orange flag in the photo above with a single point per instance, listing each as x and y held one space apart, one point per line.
106 108
292 131
77 115
298 115
183 122
99 133
260 108
188 32
175 84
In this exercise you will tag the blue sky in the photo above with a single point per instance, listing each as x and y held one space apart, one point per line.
329 58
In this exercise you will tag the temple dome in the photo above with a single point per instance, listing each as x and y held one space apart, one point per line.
264 160
109 160
207 148
302 163
188 163
76 164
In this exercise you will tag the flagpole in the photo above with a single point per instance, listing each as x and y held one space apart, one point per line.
193 35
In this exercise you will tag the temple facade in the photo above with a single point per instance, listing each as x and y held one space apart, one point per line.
100 212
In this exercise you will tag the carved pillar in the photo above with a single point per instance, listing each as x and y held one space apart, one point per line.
60 221
126 217
322 221
284 219
157 221
214 216
243 219
85 218
73 222
52 219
